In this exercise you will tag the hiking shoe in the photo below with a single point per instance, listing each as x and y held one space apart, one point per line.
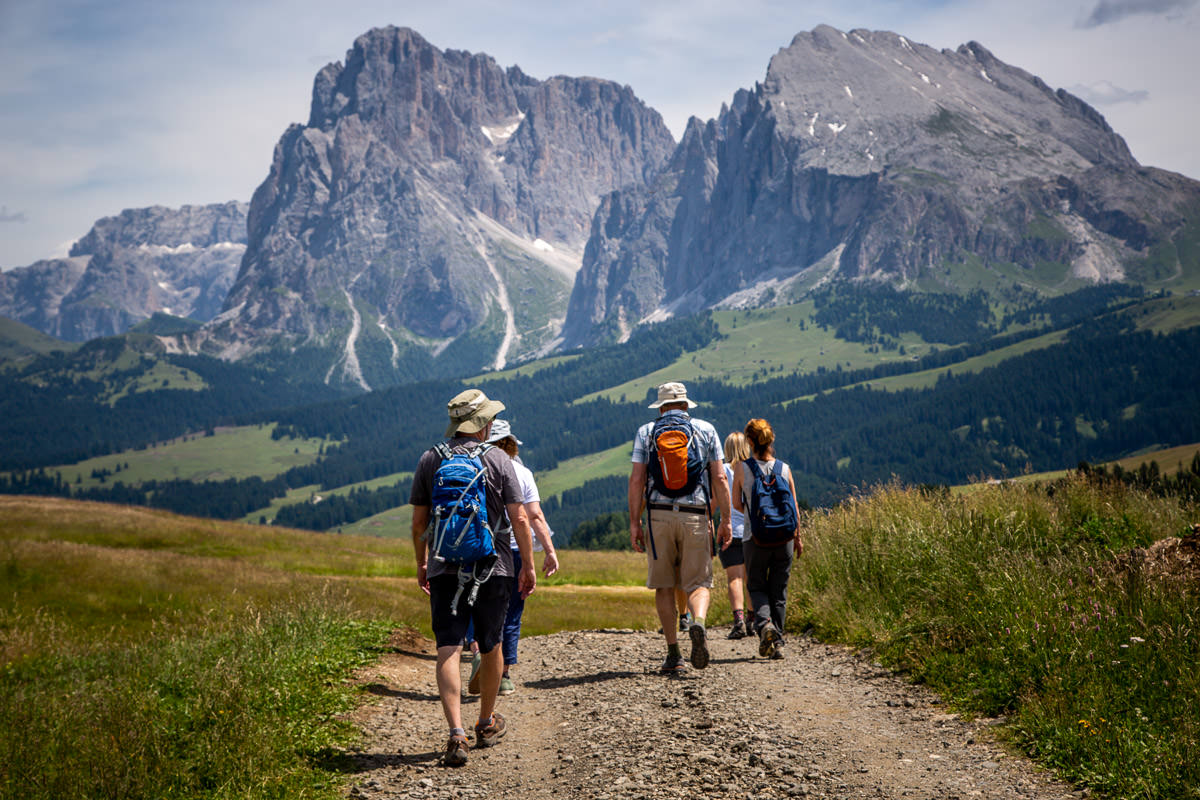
473 681
685 622
487 735
778 653
506 686
738 631
673 665
767 639
455 754
699 645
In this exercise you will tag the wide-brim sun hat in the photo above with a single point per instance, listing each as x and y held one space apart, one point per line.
501 429
470 412
672 392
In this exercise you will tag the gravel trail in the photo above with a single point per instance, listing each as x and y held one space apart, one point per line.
592 718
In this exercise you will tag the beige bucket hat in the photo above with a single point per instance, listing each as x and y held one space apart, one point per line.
672 392
471 411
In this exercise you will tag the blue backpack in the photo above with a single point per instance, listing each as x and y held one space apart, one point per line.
460 531
772 516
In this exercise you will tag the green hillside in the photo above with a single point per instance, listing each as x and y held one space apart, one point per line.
20 343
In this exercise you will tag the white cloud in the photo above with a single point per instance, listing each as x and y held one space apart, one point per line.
1107 12
1104 93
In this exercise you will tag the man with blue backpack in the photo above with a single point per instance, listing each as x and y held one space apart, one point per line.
467 503
677 471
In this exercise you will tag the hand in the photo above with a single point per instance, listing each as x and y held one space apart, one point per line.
636 537
799 543
550 564
726 534
423 577
527 580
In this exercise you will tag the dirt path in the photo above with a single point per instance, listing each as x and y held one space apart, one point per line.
591 718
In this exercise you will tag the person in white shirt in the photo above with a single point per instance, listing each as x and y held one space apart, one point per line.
733 558
502 436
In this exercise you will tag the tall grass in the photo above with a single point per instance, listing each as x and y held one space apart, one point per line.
1008 602
245 708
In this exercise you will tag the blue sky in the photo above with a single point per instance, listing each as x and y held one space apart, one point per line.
114 104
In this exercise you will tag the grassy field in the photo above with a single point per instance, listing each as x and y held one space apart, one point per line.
760 344
230 453
1011 601
1170 461
146 654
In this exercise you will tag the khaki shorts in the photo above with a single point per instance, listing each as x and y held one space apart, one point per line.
679 551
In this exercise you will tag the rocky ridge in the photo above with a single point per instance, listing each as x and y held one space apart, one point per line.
433 208
865 156
592 718
127 268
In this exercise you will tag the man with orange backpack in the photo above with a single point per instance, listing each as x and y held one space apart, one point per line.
677 470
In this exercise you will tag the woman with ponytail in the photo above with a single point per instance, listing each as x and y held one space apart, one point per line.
768 564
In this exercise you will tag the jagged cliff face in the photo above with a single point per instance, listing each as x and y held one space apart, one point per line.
434 206
866 156
129 267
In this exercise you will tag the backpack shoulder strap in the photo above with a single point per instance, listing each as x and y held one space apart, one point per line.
442 449
754 470
777 468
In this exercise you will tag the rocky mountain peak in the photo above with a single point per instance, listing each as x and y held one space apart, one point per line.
431 196
865 156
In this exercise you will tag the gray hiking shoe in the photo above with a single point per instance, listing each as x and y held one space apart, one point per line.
699 638
738 631
685 622
778 653
673 665
486 735
455 752
768 637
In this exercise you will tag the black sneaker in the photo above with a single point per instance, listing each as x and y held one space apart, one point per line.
699 645
487 735
455 753
767 639
673 664
738 631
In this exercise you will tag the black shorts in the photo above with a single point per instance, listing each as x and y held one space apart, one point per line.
733 555
491 606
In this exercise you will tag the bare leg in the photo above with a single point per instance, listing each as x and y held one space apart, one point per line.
664 603
491 668
449 683
698 602
736 577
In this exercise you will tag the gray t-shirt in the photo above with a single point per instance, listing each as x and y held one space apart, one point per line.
502 488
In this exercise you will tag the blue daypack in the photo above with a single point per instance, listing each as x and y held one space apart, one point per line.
461 534
772 516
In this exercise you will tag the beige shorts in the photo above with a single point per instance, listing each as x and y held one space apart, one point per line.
679 551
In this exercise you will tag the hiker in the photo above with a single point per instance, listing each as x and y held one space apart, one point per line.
502 436
764 491
676 471
733 558
480 593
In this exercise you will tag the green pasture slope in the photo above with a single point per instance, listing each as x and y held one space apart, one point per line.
235 452
19 343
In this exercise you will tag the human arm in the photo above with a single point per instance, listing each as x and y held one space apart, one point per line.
420 521
799 541
527 580
736 490
720 486
537 521
637 498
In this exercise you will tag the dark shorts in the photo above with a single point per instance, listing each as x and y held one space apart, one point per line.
488 613
733 555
